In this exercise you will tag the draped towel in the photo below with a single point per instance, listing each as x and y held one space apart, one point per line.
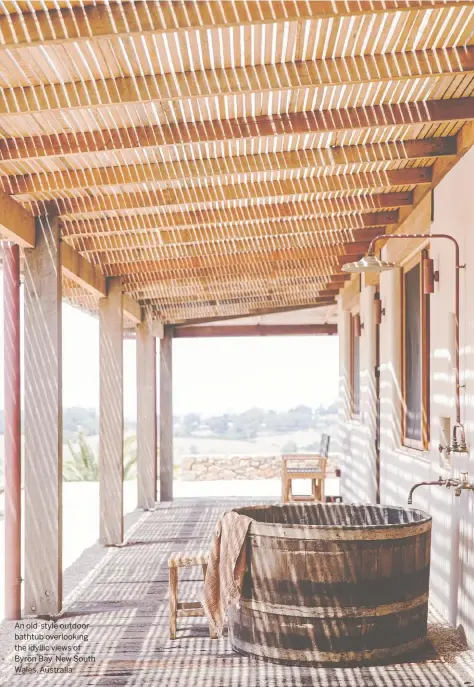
226 568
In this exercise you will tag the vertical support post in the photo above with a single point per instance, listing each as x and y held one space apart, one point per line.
111 414
43 421
166 416
12 373
146 417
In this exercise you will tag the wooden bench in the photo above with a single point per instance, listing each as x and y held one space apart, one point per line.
185 559
305 466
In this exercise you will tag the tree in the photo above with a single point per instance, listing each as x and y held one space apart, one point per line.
190 422
218 425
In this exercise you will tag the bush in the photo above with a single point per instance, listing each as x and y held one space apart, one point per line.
82 464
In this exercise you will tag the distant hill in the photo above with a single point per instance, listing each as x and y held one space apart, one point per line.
249 424
254 422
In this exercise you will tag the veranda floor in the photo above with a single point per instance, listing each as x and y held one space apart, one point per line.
124 599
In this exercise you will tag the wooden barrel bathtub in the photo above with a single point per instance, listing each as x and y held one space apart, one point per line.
333 583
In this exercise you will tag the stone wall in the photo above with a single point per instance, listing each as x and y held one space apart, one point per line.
204 467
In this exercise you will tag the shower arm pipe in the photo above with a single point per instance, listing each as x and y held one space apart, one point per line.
456 316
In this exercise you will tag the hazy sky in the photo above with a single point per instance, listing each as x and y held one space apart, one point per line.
210 375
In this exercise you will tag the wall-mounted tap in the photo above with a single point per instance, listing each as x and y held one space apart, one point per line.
440 482
458 483
463 484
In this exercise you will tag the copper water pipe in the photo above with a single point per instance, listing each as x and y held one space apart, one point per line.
389 237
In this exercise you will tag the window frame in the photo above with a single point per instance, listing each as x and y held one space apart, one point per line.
423 444
355 415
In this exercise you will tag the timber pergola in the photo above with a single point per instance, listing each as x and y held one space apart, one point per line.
173 166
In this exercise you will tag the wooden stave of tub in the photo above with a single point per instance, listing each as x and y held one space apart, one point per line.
378 577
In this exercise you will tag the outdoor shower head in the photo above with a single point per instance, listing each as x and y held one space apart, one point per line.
369 263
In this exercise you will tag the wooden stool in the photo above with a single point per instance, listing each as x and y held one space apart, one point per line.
185 559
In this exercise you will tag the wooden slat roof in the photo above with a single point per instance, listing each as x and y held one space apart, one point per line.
226 158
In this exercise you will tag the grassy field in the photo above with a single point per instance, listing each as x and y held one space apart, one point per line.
261 445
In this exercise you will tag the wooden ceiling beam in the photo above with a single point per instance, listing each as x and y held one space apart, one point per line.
210 194
294 123
147 285
134 19
303 257
251 311
18 226
82 272
164 292
256 312
91 279
16 223
337 246
301 233
209 281
202 234
360 210
132 309
231 309
200 302
198 332
347 71
342 156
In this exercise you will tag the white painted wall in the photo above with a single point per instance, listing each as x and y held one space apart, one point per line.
452 575
357 436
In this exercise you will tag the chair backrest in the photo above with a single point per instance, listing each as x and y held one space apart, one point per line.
324 448
310 462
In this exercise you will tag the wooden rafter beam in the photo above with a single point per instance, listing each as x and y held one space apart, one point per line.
344 157
321 121
82 272
210 194
91 279
300 232
161 293
124 20
208 280
253 307
339 245
132 309
323 302
253 299
167 296
16 223
329 227
361 211
253 311
179 301
183 332
347 71
137 263
210 273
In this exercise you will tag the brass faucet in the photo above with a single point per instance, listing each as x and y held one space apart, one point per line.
464 484
458 483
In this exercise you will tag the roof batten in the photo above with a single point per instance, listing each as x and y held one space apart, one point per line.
200 153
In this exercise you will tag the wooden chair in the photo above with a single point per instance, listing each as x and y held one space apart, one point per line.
186 559
305 466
